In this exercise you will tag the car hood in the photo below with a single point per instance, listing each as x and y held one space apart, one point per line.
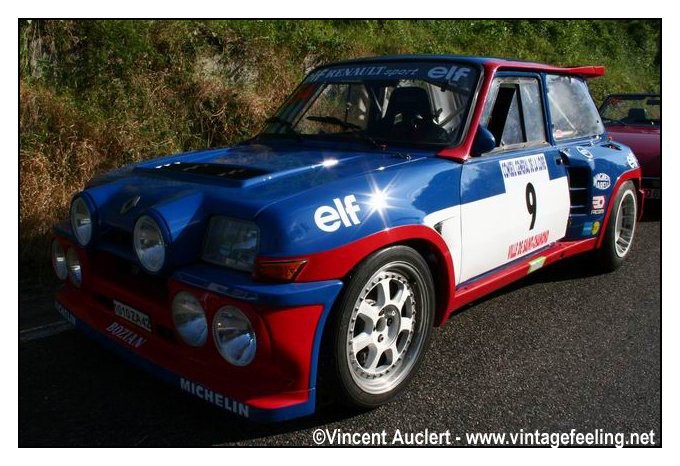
184 190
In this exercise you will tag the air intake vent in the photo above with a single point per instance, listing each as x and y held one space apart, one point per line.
579 189
232 172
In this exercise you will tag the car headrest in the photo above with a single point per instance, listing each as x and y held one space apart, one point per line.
409 101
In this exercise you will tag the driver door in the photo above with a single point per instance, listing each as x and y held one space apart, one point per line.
515 198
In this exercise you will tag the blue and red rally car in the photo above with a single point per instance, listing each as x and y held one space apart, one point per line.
316 257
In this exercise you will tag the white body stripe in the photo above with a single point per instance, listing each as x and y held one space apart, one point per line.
488 233
496 230
450 232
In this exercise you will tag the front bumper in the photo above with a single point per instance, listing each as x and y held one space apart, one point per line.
289 319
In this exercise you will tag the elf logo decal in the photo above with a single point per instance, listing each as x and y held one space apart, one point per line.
451 75
329 219
602 181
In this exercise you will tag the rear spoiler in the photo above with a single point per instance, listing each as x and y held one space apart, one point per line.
586 71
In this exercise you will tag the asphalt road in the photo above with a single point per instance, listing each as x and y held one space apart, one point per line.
563 349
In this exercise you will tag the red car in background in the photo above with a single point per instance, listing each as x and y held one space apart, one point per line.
635 120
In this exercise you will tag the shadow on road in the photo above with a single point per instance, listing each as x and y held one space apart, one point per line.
73 392
86 395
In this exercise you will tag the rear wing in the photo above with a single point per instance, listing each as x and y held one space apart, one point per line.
586 71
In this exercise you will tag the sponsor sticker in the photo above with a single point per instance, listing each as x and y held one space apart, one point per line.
596 228
452 74
587 229
215 398
598 202
449 74
65 313
523 166
602 181
598 205
126 335
130 314
632 161
536 264
329 218
526 245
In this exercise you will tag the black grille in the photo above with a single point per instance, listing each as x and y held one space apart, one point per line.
119 238
232 172
579 189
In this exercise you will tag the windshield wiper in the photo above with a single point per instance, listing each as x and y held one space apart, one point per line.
367 138
334 121
347 125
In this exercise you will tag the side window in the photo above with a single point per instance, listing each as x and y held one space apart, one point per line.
514 112
572 109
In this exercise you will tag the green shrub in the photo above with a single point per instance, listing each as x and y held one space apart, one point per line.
99 94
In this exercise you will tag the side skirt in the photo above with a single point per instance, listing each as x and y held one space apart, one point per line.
471 291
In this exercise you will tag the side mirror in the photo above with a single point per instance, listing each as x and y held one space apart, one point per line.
484 141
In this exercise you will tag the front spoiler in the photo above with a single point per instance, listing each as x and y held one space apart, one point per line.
196 388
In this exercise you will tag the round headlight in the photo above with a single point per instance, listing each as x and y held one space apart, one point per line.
149 244
59 260
81 221
234 336
73 265
189 319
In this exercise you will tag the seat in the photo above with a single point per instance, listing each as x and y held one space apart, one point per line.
409 117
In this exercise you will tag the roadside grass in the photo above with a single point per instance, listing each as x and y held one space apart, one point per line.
95 95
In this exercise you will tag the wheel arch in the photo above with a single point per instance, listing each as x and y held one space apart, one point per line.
341 263
636 177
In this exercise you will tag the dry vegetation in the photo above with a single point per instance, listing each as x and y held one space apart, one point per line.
95 95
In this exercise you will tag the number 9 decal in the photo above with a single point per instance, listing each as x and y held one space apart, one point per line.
531 204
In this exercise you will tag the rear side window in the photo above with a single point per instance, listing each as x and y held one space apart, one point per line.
572 109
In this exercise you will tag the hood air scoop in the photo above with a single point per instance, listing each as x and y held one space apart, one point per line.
232 172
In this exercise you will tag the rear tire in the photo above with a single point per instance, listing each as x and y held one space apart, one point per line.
618 237
381 328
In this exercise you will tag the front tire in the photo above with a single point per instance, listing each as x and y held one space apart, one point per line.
381 327
618 237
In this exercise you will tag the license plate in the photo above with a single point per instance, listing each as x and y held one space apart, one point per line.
653 193
132 315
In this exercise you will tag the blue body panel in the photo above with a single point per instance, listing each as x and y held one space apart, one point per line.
300 178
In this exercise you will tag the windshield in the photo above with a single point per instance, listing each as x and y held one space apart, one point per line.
642 110
412 103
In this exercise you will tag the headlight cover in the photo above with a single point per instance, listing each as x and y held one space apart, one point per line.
231 243
81 221
234 336
59 260
149 244
75 272
189 319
